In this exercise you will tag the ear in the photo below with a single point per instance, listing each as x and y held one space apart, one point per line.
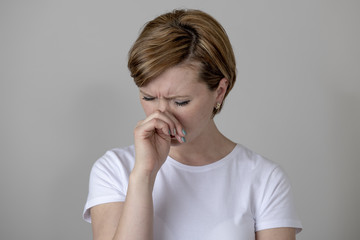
221 90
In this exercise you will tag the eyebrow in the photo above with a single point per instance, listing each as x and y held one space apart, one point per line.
172 97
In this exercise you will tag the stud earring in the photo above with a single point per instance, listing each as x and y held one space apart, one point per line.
218 105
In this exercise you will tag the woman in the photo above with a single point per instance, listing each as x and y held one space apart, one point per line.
183 179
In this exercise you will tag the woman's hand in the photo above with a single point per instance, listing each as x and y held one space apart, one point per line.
152 141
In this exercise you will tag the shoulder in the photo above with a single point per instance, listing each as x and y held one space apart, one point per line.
109 178
112 171
116 160
272 200
260 171
122 153
253 161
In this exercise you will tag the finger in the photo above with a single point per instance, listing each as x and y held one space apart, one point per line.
178 130
175 123
175 126
150 125
146 129
180 139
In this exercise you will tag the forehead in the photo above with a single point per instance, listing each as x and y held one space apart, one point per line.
174 81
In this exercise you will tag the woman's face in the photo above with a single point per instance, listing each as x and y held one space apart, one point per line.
179 92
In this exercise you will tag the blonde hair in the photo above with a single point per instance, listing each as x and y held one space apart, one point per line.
183 36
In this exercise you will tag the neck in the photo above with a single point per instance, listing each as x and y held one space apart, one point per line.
205 149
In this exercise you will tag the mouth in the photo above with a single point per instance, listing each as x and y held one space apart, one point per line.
174 140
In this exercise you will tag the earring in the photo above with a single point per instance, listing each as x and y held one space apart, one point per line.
218 105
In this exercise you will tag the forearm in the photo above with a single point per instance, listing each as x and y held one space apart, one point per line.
136 221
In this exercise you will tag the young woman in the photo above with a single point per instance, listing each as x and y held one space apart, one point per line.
182 178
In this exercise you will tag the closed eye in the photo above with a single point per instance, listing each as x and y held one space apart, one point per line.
183 103
148 98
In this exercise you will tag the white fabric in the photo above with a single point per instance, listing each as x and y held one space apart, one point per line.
229 199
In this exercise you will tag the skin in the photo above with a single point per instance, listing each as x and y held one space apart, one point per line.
178 123
194 114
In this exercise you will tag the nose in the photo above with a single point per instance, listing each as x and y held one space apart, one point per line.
163 105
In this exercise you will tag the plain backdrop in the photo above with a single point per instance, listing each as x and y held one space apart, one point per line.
66 97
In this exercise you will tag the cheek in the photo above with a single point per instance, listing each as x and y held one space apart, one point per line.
148 109
196 118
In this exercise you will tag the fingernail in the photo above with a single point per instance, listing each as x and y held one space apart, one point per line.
183 131
183 139
169 132
174 131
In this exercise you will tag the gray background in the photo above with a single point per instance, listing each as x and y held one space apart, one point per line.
66 97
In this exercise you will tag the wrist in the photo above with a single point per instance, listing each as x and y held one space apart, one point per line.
142 177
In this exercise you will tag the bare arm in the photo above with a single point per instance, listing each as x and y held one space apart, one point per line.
276 234
136 221
133 219
105 219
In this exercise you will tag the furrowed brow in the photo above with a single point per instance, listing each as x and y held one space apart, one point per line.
144 93
167 98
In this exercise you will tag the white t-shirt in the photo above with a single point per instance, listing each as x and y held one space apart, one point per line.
228 199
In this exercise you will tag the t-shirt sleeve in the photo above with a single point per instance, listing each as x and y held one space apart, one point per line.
276 206
108 183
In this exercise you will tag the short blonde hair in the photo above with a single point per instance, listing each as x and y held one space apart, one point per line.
183 36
